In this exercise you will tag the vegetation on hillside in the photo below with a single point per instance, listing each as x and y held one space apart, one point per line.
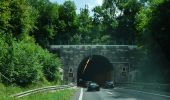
22 60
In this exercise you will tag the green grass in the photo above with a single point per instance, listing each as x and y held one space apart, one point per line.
58 95
6 91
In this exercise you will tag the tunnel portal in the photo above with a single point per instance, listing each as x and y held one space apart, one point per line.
94 68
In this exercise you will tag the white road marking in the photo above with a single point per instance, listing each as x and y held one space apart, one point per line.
148 93
109 92
81 94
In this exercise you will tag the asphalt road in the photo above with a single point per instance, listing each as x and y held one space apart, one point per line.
120 94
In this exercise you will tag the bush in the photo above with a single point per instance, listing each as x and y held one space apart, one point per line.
51 69
4 55
2 51
26 64
29 63
50 65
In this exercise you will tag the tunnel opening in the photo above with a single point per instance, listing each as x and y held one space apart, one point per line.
95 68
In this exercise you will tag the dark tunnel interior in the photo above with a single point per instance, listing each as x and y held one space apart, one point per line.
94 68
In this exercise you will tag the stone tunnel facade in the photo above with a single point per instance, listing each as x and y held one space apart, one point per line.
121 56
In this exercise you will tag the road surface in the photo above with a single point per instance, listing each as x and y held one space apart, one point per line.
119 94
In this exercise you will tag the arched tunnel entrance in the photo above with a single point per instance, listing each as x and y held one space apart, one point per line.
94 68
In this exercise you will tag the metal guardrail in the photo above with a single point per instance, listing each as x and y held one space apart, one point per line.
44 89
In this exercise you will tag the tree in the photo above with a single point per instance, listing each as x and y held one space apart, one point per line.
126 30
16 21
5 16
20 57
117 19
16 18
47 21
67 25
153 32
85 25
104 22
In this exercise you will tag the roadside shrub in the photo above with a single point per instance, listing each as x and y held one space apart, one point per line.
26 64
4 55
2 51
50 64
51 68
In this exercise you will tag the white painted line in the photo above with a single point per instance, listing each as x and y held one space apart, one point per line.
81 94
148 93
109 92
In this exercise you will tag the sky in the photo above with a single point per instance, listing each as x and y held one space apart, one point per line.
81 4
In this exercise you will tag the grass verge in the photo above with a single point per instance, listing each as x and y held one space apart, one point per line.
57 95
6 91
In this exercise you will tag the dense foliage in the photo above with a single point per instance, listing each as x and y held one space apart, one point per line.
29 63
111 23
153 25
22 61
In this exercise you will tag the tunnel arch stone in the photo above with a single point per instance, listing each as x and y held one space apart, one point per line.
72 55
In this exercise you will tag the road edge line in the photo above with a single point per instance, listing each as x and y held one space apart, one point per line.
81 94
